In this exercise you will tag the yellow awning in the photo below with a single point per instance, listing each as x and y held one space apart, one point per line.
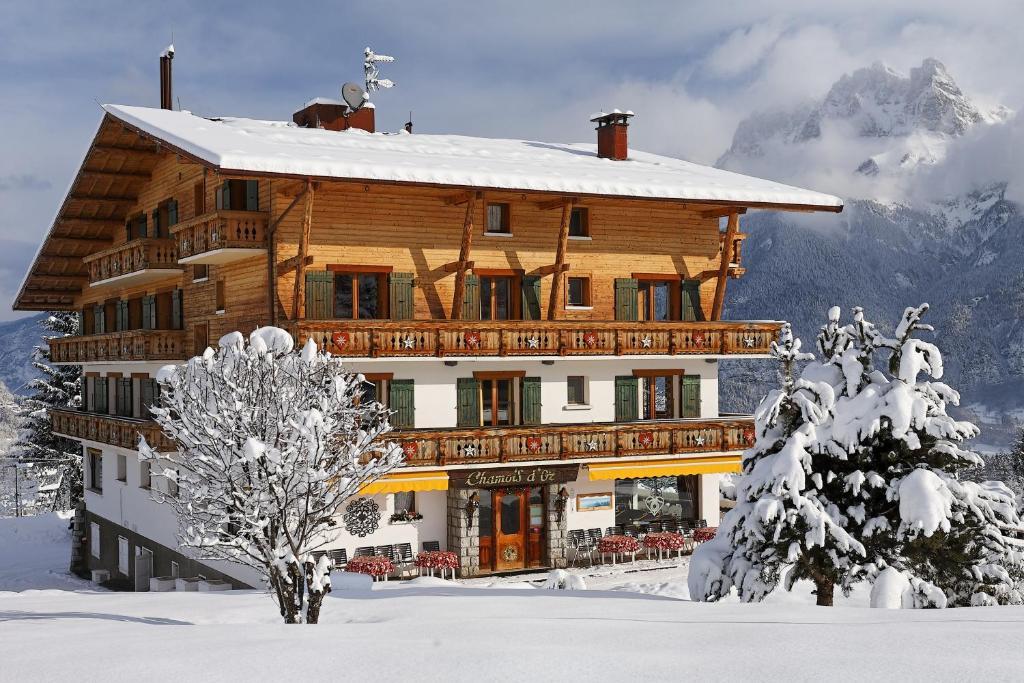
664 468
407 481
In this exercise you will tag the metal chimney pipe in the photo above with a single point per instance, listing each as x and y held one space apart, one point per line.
166 99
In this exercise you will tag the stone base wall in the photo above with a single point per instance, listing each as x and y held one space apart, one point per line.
463 535
556 529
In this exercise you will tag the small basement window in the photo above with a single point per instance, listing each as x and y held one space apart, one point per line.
499 218
577 293
405 501
200 272
220 296
576 390
579 223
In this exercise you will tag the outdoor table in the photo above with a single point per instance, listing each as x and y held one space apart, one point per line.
437 559
663 542
376 566
705 533
616 545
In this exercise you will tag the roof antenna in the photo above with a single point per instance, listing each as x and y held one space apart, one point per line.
408 124
372 79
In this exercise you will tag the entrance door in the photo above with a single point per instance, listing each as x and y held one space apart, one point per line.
510 527
143 569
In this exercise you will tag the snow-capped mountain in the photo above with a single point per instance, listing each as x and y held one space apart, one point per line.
880 139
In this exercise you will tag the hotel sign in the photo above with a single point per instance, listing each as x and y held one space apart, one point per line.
512 477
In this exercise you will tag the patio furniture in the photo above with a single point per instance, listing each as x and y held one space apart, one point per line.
339 557
618 545
578 543
377 566
444 560
403 558
364 551
705 533
431 545
664 542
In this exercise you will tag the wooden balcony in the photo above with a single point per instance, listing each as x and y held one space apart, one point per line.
221 237
385 338
428 447
134 345
142 260
108 429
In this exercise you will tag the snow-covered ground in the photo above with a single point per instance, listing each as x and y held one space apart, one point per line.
629 625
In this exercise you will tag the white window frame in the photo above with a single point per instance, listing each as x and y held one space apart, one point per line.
94 540
175 569
586 394
121 468
123 553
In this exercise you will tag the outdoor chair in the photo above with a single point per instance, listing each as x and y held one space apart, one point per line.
701 523
404 559
365 551
339 557
429 546
580 545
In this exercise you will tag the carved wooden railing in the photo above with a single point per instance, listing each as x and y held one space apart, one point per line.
383 338
108 429
134 345
132 257
221 230
460 446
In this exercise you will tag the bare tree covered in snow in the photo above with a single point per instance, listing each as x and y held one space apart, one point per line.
855 476
272 442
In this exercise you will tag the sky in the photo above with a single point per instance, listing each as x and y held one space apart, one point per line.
690 70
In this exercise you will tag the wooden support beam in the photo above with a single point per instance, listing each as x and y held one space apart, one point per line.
558 278
126 150
71 279
288 265
460 198
549 204
464 252
102 199
454 266
277 221
88 242
115 175
723 269
552 269
723 211
90 222
299 300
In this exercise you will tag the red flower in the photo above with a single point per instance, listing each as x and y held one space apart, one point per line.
374 565
437 559
340 339
704 534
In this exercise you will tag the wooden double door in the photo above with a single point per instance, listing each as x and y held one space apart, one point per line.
514 537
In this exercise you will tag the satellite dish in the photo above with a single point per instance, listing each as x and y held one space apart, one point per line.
354 95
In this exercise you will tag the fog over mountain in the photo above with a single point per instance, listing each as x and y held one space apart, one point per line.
919 226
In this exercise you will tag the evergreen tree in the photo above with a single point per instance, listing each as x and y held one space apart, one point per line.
57 387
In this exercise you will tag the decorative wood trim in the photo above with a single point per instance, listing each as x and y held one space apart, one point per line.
140 375
556 203
378 376
658 372
499 374
663 277
722 212
499 272
292 263
351 268
460 198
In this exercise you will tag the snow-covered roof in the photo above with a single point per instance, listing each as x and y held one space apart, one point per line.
275 147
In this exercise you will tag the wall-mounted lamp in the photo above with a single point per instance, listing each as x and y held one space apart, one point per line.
547 362
472 505
451 363
561 500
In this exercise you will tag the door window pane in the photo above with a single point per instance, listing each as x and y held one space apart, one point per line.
369 297
658 398
511 510
486 514
495 298
343 296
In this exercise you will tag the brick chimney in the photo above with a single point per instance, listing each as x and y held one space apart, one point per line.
612 138
334 115
166 99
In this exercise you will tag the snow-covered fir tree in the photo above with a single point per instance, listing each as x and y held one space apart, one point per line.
272 443
56 387
855 475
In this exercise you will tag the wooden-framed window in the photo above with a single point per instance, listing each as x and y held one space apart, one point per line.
164 216
360 293
123 397
577 292
136 227
239 195
657 299
100 395
200 339
200 272
94 461
576 390
405 501
498 218
149 395
122 555
199 199
220 297
499 297
659 393
579 223
492 399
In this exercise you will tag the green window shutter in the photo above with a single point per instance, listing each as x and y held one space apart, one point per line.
468 391
531 401
177 319
99 319
101 395
471 298
122 316
157 232
148 393
402 404
691 395
222 197
81 322
319 295
149 312
172 212
128 230
531 297
626 299
627 390
143 228
400 293
123 394
252 195
691 301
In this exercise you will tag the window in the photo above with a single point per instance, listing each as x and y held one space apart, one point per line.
498 219
576 390
200 272
164 216
198 199
95 464
579 223
172 482
496 398
145 474
122 467
405 501
655 299
201 339
497 301
100 395
360 296
123 399
675 497
122 555
577 292
149 394
220 296
135 227
658 397
94 539
239 195
174 570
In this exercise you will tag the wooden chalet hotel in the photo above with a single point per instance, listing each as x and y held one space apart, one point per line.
544 319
